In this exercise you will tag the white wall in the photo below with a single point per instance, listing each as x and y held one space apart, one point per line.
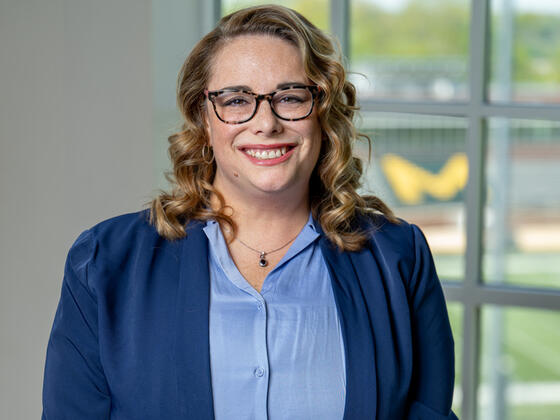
78 144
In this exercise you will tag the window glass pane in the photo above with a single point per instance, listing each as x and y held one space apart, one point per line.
525 51
317 11
410 49
455 311
419 168
520 378
522 233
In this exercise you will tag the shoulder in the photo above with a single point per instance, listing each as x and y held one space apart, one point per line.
401 248
123 227
113 245
404 250
402 238
117 234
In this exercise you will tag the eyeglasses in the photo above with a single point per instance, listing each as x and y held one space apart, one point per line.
290 103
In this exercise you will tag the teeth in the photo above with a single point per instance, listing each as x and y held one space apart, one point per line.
266 154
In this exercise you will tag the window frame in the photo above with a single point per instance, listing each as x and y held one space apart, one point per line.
472 293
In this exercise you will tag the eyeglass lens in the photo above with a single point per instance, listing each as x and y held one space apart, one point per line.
290 104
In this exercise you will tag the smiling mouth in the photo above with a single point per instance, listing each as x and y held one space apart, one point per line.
265 154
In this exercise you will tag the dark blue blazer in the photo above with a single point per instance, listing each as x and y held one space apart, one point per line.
130 335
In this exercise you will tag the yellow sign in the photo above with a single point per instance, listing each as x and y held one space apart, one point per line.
410 181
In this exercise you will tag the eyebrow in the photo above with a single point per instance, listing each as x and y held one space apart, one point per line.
237 87
278 86
283 85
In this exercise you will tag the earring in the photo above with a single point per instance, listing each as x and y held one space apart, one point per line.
207 150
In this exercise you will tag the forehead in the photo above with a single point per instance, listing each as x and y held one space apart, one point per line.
259 62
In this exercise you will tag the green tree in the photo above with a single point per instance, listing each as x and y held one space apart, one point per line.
317 11
423 28
537 48
433 29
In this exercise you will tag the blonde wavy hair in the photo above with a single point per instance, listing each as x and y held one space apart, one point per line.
334 200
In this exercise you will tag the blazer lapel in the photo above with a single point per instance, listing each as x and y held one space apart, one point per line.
361 383
192 351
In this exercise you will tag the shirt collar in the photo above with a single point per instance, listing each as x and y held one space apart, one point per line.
311 223
305 238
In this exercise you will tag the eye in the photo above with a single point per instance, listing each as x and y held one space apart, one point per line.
235 102
234 99
291 99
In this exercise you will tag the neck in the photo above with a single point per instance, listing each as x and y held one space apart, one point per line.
266 222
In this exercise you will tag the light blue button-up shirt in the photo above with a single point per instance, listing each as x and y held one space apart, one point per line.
277 354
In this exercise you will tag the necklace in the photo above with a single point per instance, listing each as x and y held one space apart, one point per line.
263 262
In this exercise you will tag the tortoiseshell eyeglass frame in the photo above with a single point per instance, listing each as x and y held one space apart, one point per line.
313 89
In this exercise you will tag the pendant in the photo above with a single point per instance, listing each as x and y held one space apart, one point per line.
262 261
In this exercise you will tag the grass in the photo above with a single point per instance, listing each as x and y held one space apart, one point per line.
528 343
521 269
532 412
530 352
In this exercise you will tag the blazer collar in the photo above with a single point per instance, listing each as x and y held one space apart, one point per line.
192 350
361 382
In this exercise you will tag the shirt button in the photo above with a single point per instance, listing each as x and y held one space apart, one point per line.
259 372
259 306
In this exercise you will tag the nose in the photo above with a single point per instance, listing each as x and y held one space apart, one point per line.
265 121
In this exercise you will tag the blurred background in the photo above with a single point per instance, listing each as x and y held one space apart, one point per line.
461 99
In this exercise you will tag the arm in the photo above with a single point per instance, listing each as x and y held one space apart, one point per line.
434 369
74 385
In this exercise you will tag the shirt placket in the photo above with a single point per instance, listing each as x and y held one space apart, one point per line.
261 370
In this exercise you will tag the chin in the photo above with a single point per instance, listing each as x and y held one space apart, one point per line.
274 186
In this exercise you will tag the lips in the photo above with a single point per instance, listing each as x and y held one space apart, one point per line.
266 154
263 153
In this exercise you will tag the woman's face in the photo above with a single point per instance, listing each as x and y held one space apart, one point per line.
261 64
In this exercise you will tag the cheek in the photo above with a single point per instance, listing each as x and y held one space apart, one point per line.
215 129
317 137
221 138
217 134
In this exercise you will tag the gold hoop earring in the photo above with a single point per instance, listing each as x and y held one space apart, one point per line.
207 150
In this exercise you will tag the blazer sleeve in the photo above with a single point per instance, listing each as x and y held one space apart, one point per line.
433 350
74 384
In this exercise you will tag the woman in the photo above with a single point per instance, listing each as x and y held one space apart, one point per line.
262 285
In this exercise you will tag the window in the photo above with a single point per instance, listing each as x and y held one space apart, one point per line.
462 101
410 50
